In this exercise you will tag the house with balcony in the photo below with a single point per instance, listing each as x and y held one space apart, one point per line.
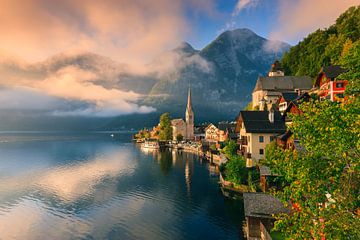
256 129
330 85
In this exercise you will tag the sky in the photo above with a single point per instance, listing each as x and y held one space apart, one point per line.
137 30
128 31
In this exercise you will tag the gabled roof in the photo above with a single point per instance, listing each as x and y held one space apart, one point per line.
283 83
262 205
302 98
288 96
258 122
210 125
332 72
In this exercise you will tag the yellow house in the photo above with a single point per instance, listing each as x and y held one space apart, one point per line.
256 130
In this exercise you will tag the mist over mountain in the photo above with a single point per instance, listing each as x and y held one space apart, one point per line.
221 76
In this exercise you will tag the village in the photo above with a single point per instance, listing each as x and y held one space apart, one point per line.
238 148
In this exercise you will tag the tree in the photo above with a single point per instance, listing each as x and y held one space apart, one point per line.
230 149
165 127
179 137
236 171
323 179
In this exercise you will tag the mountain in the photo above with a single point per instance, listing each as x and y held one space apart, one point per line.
221 75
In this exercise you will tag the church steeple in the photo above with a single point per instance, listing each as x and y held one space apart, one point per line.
189 118
189 103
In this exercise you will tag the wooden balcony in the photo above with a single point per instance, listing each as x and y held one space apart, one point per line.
242 141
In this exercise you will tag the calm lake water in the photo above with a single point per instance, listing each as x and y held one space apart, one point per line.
92 186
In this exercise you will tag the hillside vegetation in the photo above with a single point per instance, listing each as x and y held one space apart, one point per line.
324 47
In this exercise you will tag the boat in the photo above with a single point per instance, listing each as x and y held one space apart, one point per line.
151 144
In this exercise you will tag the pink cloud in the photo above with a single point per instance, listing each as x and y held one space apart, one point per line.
129 31
298 18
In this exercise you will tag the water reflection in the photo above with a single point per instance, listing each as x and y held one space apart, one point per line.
107 190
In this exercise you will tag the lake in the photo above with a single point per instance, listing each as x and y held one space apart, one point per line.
91 186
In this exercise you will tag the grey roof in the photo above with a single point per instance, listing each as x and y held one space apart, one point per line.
266 171
262 205
258 122
283 83
227 126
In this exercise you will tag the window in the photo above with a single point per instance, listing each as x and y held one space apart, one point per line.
339 85
261 138
272 138
261 151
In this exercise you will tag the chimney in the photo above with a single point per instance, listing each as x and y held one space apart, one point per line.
271 114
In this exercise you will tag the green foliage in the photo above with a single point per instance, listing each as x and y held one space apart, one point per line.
324 177
253 179
179 137
165 127
351 61
236 171
143 133
230 149
323 47
213 147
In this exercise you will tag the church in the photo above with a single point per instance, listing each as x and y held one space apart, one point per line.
184 128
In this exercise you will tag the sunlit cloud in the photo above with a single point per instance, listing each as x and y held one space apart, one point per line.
298 18
242 4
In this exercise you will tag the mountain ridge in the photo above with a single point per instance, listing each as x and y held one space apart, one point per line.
222 75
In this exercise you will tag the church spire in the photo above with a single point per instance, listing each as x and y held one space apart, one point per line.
189 103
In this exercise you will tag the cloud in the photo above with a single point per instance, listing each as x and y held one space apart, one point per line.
242 4
299 18
131 31
69 91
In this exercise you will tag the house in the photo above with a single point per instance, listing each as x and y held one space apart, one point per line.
330 87
221 132
178 128
184 128
211 133
259 209
285 99
256 130
199 132
227 130
269 88
293 107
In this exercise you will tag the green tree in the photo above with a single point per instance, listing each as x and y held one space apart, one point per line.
165 127
230 149
235 170
351 62
324 176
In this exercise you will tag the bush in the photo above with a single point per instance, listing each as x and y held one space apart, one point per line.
235 170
